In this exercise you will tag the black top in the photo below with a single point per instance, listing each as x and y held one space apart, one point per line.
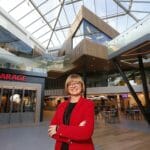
66 121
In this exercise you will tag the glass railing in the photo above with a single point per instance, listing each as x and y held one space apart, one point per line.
132 34
40 64
11 61
60 64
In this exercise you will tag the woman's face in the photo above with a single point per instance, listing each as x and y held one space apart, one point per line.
75 88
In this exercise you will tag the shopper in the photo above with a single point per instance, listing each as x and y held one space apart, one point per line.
73 123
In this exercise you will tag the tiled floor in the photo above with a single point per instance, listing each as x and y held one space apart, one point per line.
122 136
25 138
126 135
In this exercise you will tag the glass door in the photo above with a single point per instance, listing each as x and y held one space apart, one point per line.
17 106
5 105
29 106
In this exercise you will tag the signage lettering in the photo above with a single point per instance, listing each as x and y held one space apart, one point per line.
8 76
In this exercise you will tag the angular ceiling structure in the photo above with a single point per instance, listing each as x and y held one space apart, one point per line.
48 21
44 27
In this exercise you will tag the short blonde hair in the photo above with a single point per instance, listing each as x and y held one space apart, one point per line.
74 78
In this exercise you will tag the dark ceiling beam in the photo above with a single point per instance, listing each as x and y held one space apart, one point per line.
16 6
66 16
62 28
31 11
42 34
136 54
134 1
42 26
54 50
126 10
62 4
43 17
113 16
140 11
40 13
71 2
141 46
130 5
131 89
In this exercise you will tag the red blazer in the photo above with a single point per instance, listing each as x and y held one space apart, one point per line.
78 137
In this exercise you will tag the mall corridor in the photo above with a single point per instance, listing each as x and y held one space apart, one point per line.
126 135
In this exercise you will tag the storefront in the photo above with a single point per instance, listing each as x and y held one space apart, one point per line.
21 97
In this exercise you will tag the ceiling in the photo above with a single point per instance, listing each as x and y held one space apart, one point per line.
48 21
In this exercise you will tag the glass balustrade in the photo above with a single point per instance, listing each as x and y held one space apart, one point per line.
134 33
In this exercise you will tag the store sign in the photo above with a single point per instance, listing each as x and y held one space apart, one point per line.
8 76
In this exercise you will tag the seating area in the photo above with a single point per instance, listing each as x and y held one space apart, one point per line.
134 114
113 115
110 116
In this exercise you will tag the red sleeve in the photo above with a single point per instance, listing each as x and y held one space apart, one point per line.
55 121
79 132
61 139
56 118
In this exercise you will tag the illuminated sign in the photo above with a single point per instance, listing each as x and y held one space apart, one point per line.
8 76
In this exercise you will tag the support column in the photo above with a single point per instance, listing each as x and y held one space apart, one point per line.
147 118
145 87
144 82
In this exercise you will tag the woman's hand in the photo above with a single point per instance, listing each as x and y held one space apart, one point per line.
52 130
82 123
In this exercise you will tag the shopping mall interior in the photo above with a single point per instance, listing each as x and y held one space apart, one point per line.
106 42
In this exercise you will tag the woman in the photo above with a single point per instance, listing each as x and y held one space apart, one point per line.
73 123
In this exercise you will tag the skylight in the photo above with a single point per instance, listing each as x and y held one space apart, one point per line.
49 21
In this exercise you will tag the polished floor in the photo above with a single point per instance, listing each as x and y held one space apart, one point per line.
123 135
